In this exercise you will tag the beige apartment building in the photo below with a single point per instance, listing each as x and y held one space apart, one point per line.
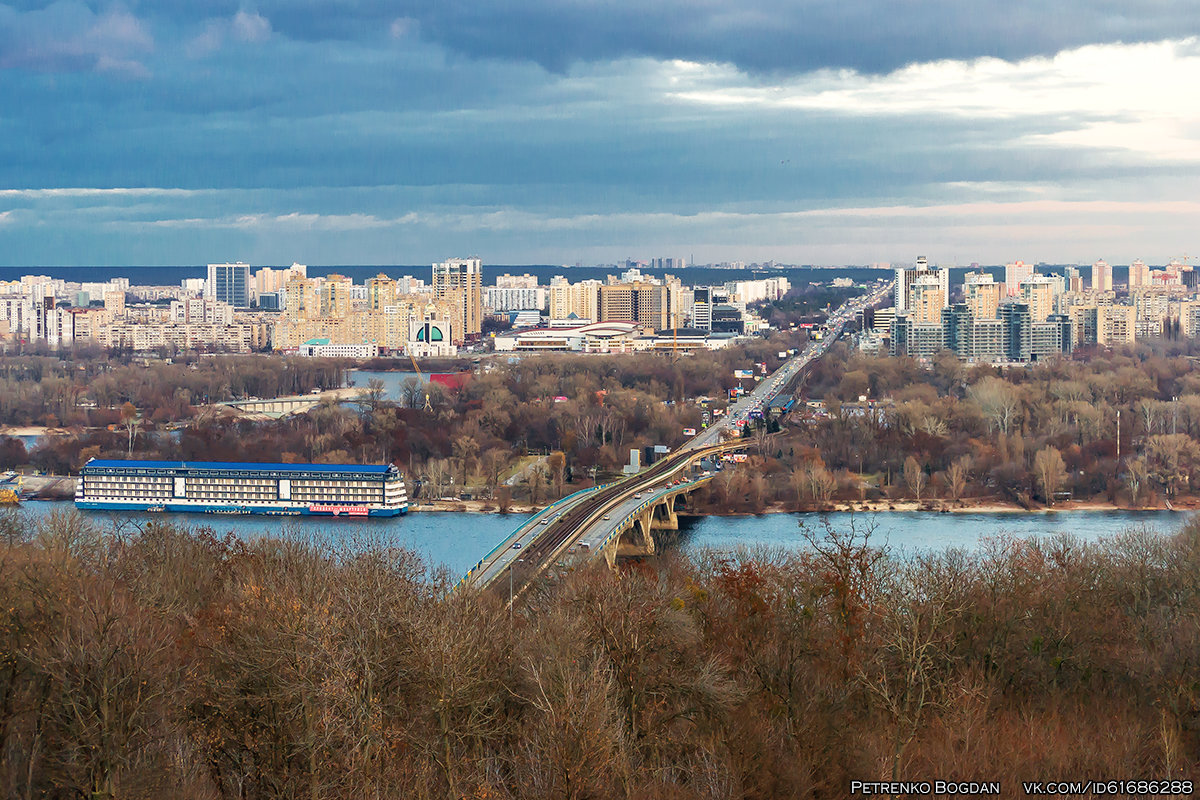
335 296
1115 324
301 299
581 299
1039 292
460 281
982 294
237 338
387 328
645 304
927 298
381 292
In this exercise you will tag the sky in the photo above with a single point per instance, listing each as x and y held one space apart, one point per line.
563 131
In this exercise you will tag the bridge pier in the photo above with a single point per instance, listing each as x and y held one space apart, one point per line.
637 539
665 518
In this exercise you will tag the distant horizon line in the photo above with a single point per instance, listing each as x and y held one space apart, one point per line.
748 266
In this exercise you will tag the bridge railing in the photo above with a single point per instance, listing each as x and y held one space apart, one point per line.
548 510
642 506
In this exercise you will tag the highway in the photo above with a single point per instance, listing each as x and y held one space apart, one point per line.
588 520
770 387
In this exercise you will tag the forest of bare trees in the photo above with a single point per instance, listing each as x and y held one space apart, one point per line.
86 387
468 438
1030 435
947 432
156 663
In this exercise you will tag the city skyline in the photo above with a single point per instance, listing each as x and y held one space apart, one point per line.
355 133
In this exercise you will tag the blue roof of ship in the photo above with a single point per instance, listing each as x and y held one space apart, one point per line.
366 469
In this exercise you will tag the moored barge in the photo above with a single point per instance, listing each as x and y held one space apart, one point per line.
219 487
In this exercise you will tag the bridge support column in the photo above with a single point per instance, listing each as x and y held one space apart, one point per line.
666 519
636 540
610 552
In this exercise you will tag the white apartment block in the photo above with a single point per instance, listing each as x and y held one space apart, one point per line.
514 298
525 281
757 291
203 336
201 309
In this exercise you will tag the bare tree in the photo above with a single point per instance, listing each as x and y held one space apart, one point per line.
1050 471
906 677
535 479
915 477
493 464
820 481
1173 457
465 450
1137 475
998 401
372 398
412 392
957 475
557 463
131 420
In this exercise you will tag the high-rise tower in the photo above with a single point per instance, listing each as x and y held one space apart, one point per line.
460 281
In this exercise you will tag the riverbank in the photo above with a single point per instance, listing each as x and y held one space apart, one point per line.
469 507
30 430
59 487
968 506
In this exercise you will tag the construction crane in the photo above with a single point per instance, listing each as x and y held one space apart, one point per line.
420 377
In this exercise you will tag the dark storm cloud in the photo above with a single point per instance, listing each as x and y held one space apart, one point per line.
757 35
340 130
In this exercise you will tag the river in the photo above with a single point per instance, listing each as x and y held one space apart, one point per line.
459 540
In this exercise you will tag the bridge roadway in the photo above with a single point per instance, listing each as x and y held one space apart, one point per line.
592 520
557 528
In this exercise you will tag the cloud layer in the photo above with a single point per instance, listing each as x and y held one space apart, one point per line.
173 132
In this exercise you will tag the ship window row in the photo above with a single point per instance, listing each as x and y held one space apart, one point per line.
237 475
134 494
327 483
206 482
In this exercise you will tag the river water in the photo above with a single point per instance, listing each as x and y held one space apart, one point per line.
458 540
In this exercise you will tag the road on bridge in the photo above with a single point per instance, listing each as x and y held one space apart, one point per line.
587 520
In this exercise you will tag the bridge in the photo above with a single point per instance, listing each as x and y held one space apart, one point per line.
618 519
292 404
615 519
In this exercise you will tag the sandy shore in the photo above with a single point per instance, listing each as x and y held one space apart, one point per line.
29 430
988 506
473 506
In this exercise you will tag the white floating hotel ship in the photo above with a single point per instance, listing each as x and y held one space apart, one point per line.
218 487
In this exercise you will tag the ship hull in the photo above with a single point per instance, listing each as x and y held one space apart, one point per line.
236 510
